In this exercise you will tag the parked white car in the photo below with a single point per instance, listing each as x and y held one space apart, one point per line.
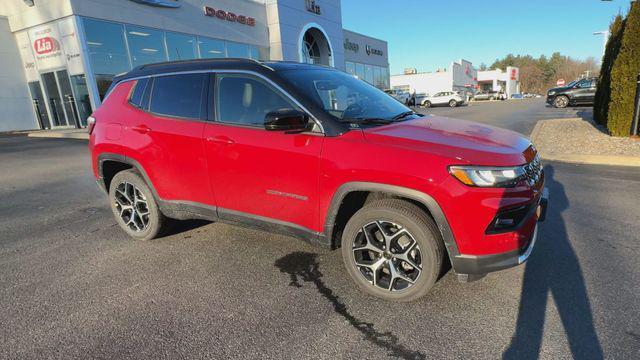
448 98
399 95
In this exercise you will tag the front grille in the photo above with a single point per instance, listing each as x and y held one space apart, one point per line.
533 171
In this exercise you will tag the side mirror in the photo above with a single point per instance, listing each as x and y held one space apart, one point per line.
289 120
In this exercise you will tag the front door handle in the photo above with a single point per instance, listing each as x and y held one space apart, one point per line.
220 140
142 129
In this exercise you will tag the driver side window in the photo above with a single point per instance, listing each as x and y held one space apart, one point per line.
246 100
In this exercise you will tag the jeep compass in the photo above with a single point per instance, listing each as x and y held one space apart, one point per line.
315 153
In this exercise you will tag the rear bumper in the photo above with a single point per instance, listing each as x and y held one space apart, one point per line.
480 265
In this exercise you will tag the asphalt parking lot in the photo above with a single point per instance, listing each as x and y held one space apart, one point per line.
75 286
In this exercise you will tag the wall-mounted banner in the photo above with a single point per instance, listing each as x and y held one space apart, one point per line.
45 42
70 46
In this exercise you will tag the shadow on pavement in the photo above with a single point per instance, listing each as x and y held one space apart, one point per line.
554 269
303 267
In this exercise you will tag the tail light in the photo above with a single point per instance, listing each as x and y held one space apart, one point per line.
91 123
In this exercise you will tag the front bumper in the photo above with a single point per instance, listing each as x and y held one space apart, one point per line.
483 264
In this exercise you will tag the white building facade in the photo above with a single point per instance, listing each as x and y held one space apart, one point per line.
461 76
497 80
60 56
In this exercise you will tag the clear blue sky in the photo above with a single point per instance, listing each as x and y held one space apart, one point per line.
428 34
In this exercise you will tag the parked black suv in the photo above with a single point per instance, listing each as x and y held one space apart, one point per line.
578 92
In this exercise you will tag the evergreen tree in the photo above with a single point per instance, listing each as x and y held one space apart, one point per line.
626 68
603 93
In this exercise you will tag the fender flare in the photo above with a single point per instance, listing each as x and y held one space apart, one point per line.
428 201
125 160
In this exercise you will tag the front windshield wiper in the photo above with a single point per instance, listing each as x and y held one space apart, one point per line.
369 121
403 115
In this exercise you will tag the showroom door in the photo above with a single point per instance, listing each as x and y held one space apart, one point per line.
60 98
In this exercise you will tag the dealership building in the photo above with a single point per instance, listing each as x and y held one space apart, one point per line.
60 56
461 77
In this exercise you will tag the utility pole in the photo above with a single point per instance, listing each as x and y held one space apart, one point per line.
605 35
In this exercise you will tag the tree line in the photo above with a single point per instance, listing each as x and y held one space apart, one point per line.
537 75
615 97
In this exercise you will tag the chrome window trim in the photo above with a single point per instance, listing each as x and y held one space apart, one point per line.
238 71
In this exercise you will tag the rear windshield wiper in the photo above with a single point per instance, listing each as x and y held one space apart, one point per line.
402 115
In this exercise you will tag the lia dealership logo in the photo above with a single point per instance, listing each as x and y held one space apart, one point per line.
45 45
159 3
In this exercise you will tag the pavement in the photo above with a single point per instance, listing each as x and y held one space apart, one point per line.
75 286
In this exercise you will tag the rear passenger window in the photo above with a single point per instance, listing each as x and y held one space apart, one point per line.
138 90
179 95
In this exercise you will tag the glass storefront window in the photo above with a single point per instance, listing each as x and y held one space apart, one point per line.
255 53
145 45
79 84
237 50
181 46
368 74
350 67
211 48
106 45
360 71
377 78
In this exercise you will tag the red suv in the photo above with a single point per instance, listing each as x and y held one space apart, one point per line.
313 152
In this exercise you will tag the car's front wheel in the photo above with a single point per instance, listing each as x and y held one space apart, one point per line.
453 103
561 102
392 250
426 104
134 206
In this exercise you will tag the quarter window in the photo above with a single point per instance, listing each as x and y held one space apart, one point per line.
138 91
247 100
179 95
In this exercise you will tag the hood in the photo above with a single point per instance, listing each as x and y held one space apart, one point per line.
459 140
559 88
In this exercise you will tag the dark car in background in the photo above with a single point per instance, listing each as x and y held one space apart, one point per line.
578 92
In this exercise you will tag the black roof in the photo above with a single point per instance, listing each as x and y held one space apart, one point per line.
211 64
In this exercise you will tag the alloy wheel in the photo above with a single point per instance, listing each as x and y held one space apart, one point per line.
561 102
387 256
132 206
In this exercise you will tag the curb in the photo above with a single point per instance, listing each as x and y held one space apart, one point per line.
59 135
612 160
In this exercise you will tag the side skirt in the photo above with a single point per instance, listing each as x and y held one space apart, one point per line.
183 210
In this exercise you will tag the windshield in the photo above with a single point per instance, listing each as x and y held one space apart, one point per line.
345 97
572 83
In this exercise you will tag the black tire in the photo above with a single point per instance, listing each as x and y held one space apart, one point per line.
139 229
426 104
561 102
453 103
421 229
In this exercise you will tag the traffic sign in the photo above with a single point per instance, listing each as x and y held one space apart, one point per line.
560 82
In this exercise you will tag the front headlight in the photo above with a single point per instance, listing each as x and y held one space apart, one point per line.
551 93
487 176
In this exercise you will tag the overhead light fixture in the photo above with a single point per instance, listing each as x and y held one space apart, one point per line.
138 33
94 43
29 2
215 51
149 50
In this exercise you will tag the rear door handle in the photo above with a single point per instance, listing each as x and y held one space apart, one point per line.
221 140
142 129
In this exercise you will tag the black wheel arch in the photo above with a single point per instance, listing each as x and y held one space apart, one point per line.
377 190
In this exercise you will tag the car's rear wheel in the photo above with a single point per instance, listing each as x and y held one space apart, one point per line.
134 206
426 104
392 250
561 102
453 103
